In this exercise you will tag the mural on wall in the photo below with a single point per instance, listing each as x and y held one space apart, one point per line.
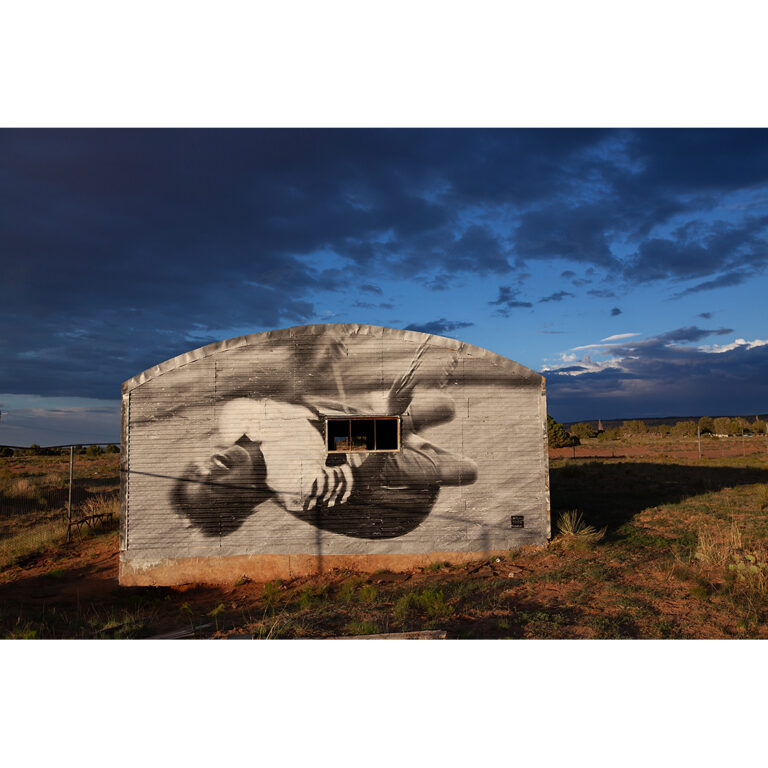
364 473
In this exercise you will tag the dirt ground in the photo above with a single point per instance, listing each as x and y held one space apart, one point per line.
681 551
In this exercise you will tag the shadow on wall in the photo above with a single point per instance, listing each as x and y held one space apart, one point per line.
612 494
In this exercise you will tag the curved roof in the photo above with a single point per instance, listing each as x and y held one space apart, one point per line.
339 330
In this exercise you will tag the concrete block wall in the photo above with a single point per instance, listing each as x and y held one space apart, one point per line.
226 473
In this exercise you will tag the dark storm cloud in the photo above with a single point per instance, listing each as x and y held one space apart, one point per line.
615 311
706 315
559 296
441 327
122 248
702 160
694 251
658 377
736 277
564 232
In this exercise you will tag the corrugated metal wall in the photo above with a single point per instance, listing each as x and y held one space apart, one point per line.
271 386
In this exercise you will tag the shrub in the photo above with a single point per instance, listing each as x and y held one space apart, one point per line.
684 429
93 450
111 448
706 425
634 427
575 532
557 436
609 434
6 453
583 430
722 425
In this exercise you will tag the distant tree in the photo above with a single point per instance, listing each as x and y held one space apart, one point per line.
759 427
684 429
6 453
634 427
111 448
738 425
583 430
722 425
706 425
557 436
35 450
93 450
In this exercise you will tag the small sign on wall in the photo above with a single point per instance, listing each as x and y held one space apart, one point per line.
518 521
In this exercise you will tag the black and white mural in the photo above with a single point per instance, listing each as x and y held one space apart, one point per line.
340 439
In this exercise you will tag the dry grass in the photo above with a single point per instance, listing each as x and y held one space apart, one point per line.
743 565
717 545
101 505
17 546
21 487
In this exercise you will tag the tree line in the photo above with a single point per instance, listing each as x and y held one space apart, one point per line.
560 437
36 450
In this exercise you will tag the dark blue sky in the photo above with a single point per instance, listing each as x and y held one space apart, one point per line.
628 266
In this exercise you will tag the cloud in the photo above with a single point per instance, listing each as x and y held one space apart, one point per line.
738 343
559 296
678 335
441 327
601 294
508 300
690 333
559 231
696 249
660 376
615 311
735 277
617 336
126 247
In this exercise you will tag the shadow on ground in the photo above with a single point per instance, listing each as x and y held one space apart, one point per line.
612 494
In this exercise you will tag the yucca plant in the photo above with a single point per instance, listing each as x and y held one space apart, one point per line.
574 531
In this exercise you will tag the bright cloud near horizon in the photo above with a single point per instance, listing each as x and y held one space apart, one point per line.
626 265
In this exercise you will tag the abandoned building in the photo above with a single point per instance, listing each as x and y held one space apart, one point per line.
305 449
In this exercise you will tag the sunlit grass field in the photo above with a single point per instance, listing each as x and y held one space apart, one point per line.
648 545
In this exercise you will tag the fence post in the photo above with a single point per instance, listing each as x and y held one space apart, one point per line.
69 500
698 433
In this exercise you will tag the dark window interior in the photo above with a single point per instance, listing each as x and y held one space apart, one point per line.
362 434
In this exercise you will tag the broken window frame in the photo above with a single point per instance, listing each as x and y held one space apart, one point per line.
374 419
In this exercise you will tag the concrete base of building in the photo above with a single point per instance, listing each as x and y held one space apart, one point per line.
140 572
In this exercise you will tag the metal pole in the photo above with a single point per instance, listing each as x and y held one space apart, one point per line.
69 500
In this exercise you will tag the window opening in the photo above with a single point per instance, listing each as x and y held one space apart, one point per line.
363 434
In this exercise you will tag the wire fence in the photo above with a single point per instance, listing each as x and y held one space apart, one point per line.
688 448
52 495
